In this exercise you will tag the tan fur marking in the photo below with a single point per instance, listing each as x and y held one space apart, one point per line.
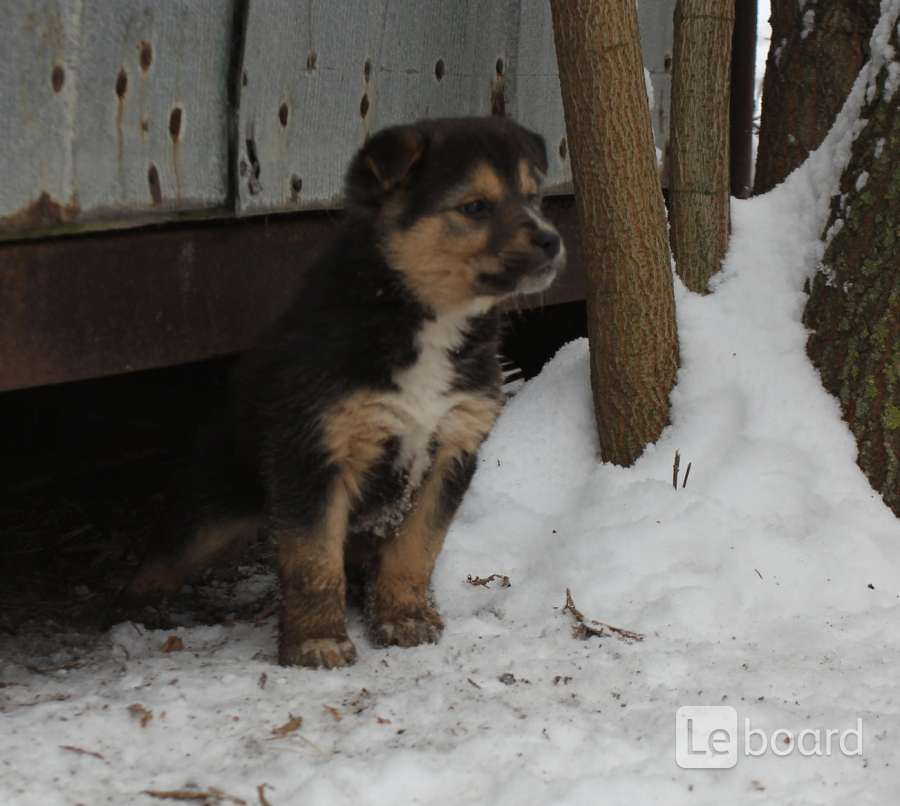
214 539
210 541
153 580
313 589
356 430
527 184
402 614
468 423
483 182
439 266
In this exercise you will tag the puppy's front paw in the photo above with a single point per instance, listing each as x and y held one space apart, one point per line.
421 626
318 653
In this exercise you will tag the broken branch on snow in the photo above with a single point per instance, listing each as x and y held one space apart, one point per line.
485 581
583 630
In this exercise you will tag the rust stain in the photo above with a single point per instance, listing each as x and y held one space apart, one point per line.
153 181
364 106
439 69
498 99
498 90
175 124
253 184
57 77
175 134
49 26
367 70
296 187
311 60
121 89
146 55
43 213
283 114
563 148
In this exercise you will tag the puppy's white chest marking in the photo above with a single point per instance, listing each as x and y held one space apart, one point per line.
425 393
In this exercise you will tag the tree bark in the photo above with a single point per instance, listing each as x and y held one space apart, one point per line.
818 48
630 302
699 184
854 302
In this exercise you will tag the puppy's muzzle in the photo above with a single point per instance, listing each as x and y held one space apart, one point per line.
552 258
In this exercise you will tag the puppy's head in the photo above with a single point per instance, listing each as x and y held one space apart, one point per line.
458 206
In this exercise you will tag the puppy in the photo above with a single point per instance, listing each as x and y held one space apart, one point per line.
358 417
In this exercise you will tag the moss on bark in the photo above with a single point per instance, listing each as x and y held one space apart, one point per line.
854 303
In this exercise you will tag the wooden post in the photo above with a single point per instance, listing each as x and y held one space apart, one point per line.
699 186
630 302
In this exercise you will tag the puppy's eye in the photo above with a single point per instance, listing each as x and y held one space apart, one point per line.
478 208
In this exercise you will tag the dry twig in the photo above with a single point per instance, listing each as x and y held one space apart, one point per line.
81 751
210 795
583 630
139 712
172 644
293 724
485 581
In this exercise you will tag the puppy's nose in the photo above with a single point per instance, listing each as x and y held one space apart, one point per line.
547 241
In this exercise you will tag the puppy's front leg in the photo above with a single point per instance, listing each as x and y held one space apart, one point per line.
313 587
401 611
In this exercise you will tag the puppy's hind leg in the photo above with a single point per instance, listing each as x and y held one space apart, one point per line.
163 572
214 509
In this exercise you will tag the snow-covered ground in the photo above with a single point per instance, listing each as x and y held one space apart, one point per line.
769 583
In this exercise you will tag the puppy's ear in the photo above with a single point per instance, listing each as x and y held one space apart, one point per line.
382 164
535 149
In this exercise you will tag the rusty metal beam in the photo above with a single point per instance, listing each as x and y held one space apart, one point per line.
94 305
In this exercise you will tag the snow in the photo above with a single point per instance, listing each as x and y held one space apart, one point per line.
770 582
809 23
763 42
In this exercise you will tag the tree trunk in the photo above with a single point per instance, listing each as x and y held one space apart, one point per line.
818 48
699 184
854 303
630 302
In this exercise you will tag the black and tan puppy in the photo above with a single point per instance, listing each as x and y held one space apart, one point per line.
359 416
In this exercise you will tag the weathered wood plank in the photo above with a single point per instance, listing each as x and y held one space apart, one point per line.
117 113
112 111
319 76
